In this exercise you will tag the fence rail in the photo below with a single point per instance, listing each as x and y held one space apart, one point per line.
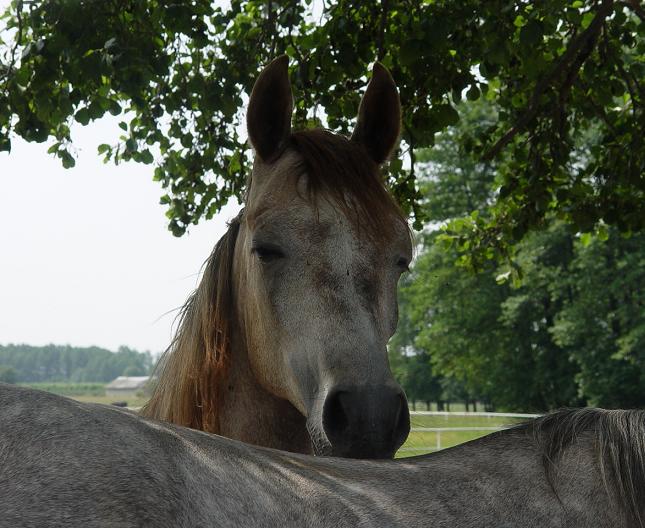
446 414
467 413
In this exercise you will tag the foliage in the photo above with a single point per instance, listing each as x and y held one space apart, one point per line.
570 331
7 374
418 380
54 363
177 72
602 322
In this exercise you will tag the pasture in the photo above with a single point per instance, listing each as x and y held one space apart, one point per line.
86 392
453 429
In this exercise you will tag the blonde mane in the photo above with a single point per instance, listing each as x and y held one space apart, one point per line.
191 370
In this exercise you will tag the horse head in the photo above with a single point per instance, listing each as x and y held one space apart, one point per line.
319 252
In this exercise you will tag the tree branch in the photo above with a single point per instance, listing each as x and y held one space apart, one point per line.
567 63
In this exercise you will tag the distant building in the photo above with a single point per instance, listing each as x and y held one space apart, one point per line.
126 386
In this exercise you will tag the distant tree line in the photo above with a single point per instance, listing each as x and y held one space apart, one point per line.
561 322
54 363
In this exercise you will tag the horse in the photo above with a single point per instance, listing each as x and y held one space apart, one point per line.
66 463
283 343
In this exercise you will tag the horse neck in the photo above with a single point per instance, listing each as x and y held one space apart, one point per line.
253 415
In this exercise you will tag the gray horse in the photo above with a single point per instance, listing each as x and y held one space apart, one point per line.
64 463
284 342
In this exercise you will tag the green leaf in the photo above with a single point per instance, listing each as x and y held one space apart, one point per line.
445 115
586 19
146 157
602 232
82 116
115 108
5 144
473 93
67 159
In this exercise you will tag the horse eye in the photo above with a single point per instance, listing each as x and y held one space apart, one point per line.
268 253
403 264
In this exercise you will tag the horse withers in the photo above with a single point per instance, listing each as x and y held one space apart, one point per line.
65 463
283 344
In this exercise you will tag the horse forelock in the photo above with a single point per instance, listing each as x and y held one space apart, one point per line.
340 170
192 369
619 437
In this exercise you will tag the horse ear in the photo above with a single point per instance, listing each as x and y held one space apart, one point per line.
379 115
268 119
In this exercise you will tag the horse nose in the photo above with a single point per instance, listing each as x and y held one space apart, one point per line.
366 422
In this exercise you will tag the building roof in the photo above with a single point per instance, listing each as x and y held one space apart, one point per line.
128 382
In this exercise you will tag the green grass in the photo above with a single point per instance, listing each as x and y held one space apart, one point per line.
421 442
86 392
69 389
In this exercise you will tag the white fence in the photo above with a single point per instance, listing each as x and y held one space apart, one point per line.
447 414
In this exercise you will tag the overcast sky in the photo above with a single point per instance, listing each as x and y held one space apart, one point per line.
85 255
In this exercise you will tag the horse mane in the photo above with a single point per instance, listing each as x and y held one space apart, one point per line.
194 366
619 437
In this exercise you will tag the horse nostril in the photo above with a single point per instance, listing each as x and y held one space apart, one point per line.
335 420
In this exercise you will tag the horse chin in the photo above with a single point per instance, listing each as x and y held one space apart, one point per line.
320 443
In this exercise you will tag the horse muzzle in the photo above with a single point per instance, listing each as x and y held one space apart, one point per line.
364 422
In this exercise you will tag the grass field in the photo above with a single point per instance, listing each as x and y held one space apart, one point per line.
420 442
86 392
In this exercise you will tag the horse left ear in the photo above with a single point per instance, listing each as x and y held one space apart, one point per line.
379 116
268 118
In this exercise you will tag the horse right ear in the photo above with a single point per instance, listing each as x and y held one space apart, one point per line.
379 116
268 118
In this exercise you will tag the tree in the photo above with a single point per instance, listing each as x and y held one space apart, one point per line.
65 363
602 322
7 374
568 330
177 72
419 381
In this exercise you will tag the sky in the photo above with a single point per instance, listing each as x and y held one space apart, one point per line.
85 254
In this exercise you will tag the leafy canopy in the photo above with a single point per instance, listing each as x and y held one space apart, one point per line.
570 332
177 72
